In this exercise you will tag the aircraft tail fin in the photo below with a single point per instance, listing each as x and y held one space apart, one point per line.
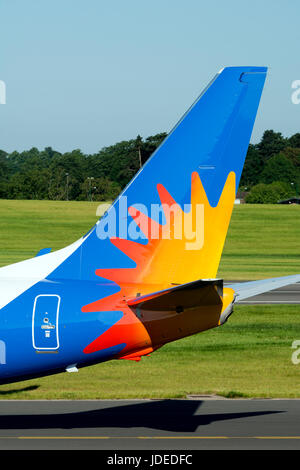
169 224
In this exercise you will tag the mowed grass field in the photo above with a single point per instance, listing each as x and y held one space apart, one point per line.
249 356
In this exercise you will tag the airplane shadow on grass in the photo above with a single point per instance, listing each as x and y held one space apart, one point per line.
4 393
166 415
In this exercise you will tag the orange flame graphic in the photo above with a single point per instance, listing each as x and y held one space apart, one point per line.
164 261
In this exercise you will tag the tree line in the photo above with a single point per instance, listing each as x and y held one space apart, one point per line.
271 171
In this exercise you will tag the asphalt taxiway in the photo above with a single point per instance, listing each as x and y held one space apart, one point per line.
150 424
284 295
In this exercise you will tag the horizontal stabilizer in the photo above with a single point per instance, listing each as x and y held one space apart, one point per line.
244 290
180 297
43 251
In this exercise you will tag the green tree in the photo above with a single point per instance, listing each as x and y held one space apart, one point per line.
30 184
269 193
294 141
3 164
278 168
99 189
252 168
68 171
293 155
271 144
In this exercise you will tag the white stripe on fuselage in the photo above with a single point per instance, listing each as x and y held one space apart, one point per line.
18 277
